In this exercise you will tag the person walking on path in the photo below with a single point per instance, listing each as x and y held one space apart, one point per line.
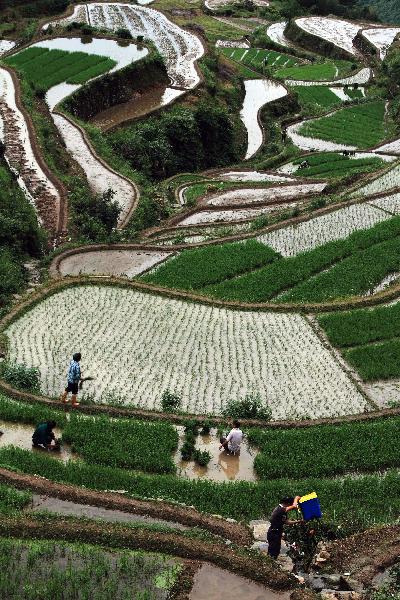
231 443
278 519
74 377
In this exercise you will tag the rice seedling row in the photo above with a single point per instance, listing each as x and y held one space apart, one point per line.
367 495
362 126
12 500
328 450
269 281
207 355
257 58
50 67
313 73
197 268
331 165
33 568
122 443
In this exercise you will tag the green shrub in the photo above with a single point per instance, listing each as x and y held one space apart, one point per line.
170 401
250 407
20 376
202 458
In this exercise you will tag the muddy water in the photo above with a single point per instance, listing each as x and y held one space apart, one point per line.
20 435
111 262
223 466
212 583
138 106
258 93
68 508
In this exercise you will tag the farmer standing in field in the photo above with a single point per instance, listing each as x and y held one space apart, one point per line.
74 377
278 519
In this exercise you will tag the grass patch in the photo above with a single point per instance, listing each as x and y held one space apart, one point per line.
378 361
194 269
360 327
329 165
32 414
361 126
328 450
122 443
44 68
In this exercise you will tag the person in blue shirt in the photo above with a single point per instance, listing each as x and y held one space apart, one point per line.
43 436
74 377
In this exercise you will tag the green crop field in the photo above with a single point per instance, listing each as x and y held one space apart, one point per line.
361 126
337 269
256 58
328 450
319 95
331 165
369 339
72 571
45 68
188 271
315 72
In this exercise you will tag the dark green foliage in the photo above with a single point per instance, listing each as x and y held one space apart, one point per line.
328 450
251 407
117 87
94 217
180 139
38 8
122 443
354 502
17 412
20 376
12 277
194 269
170 401
388 11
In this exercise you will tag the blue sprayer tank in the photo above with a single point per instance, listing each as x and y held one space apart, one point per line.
310 507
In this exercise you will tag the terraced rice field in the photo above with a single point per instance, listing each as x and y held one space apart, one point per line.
339 32
316 72
330 165
321 96
361 126
46 68
257 59
179 48
208 355
382 39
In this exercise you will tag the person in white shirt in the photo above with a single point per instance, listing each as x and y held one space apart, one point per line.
231 443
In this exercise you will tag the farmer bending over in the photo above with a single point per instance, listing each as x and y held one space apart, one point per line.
74 377
278 520
231 443
43 436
